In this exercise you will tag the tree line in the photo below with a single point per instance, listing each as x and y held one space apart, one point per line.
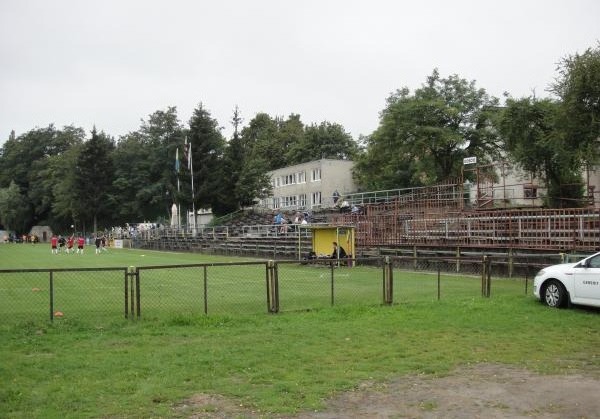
65 176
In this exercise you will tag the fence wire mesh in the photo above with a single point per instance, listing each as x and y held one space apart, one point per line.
83 294
24 296
96 295
109 294
323 283
203 289
431 278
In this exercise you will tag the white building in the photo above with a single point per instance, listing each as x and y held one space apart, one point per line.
510 186
310 185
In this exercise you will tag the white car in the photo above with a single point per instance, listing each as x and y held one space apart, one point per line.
569 283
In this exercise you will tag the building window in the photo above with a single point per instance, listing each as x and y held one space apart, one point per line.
275 202
289 179
277 182
302 200
291 201
530 191
301 177
316 175
316 199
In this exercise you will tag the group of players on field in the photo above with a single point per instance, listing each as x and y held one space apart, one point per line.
60 244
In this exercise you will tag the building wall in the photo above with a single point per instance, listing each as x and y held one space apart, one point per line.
516 188
508 187
310 185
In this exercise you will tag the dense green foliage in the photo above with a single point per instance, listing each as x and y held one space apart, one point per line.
557 139
59 177
530 128
423 137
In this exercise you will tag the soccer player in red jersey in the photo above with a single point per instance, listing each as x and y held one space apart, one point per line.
54 244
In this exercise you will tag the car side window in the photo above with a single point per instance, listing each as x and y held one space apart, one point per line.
594 262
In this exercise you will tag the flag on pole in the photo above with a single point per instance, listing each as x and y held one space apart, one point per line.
187 153
177 160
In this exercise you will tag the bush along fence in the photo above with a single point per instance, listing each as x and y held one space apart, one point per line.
103 295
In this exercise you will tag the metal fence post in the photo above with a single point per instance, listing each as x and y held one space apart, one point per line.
458 259
205 290
51 297
483 275
489 278
130 292
126 291
331 267
276 285
138 297
415 257
388 281
486 276
438 281
272 287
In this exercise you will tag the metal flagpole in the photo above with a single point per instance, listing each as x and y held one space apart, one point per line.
178 189
190 162
193 196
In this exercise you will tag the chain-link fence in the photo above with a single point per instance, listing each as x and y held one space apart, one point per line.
83 293
101 295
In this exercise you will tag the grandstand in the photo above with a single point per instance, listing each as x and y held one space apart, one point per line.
439 216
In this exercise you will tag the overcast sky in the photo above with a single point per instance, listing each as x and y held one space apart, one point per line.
112 63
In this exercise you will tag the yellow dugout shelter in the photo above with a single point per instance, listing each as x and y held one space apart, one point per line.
324 236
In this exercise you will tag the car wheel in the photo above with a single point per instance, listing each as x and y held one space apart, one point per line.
555 294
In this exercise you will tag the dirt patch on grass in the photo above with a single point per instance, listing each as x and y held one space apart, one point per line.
481 391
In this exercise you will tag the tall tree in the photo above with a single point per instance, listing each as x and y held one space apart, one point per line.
11 204
259 141
555 139
422 138
232 164
145 180
290 133
534 140
246 167
323 141
27 160
578 87
60 177
93 176
207 145
254 182
54 169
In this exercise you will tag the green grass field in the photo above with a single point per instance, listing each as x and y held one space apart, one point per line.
89 364
233 285
28 256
